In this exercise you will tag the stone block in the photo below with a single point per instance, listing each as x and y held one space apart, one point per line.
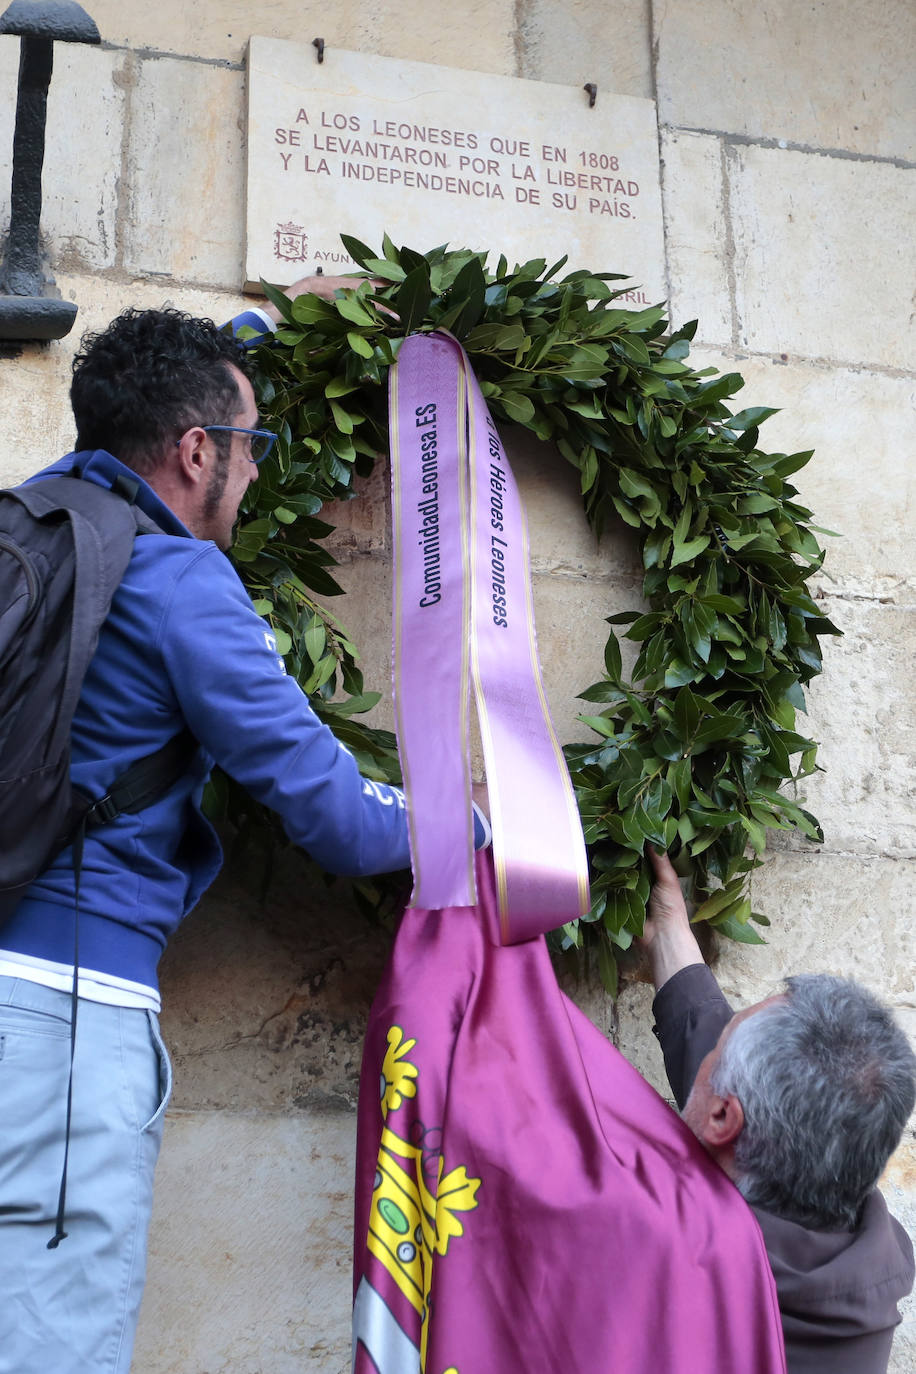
835 75
36 423
393 28
361 525
696 230
265 997
635 1038
186 191
365 612
830 913
570 618
84 131
862 712
580 41
859 482
561 540
250 1246
822 256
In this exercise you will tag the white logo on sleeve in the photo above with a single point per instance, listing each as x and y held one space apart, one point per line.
388 796
271 642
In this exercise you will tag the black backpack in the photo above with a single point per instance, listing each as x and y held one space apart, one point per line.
64 546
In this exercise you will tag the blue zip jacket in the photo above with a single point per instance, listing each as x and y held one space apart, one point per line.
183 646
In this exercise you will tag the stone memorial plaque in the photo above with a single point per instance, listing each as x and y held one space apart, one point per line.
365 145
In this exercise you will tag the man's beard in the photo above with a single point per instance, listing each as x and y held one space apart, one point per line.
216 487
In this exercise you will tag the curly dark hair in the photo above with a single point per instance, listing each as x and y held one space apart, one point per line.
151 375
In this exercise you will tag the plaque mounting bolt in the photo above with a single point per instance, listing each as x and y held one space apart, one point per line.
319 44
592 89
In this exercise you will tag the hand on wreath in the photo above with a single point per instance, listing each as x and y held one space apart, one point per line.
667 937
320 285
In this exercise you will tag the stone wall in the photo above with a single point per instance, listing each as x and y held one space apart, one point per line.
786 138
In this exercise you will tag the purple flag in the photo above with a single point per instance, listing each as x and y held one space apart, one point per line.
526 1203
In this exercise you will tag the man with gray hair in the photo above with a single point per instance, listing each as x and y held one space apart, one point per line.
801 1099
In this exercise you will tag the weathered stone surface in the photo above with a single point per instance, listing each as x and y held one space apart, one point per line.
571 637
185 202
835 75
393 28
862 713
831 913
36 424
265 998
361 525
580 41
821 255
696 229
562 543
250 1248
634 1033
82 153
860 481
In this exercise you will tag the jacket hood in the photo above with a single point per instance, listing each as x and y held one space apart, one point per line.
840 1285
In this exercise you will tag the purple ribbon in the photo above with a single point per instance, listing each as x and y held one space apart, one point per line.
431 608
463 611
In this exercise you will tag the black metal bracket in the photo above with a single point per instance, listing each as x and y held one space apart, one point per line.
319 44
28 309
592 89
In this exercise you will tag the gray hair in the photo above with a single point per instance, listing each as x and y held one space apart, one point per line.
827 1081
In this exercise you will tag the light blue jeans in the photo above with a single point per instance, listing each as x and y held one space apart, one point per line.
73 1310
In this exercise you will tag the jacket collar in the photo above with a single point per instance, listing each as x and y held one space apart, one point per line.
96 465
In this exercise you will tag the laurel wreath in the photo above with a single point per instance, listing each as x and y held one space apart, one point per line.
692 751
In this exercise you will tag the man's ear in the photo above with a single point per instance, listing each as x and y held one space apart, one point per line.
724 1122
192 456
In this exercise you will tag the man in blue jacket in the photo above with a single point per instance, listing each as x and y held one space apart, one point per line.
165 398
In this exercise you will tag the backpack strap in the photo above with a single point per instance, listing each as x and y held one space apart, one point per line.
145 781
128 488
103 528
138 786
104 522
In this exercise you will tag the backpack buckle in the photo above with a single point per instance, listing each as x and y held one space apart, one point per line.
102 811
